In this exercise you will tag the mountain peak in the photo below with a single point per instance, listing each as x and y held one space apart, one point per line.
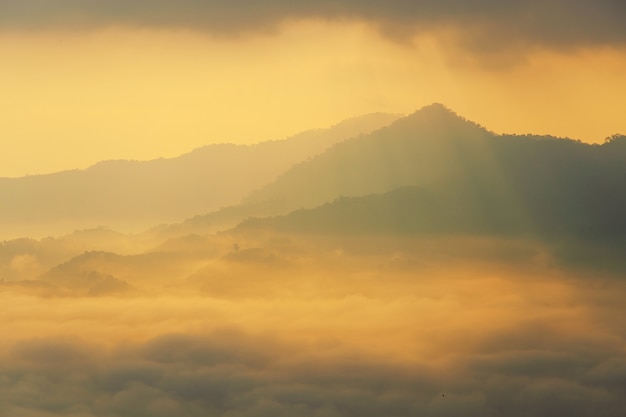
438 117
436 107
436 110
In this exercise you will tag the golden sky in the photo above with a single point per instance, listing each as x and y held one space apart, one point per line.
83 82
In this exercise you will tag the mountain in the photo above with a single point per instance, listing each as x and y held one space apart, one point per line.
419 149
432 173
27 258
433 210
549 184
413 150
101 272
403 211
545 182
135 195
567 233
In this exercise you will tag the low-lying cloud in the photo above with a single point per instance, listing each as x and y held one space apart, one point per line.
375 339
194 375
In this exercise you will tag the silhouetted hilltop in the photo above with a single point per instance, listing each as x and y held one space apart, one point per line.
406 210
413 150
416 210
138 194
469 180
416 150
431 173
549 185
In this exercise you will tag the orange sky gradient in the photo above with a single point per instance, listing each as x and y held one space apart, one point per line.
72 98
426 269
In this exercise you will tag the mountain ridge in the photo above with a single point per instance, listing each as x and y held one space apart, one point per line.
435 148
135 195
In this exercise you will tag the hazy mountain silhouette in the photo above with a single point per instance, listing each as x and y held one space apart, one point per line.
420 210
461 273
418 149
469 179
581 235
427 146
222 219
550 185
132 194
406 210
101 273
27 258
432 172
84 274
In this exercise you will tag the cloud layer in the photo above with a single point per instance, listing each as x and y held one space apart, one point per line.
362 335
230 372
483 24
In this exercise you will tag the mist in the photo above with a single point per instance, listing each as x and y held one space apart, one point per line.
279 324
428 267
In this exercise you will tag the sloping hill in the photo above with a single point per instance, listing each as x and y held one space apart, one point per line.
416 150
548 184
135 195
417 210
419 149
406 210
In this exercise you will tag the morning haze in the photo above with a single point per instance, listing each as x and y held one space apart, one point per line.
93 80
179 250
135 195
424 260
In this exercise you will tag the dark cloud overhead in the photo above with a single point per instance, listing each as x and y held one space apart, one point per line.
554 23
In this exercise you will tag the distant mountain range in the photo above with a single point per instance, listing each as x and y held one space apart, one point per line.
132 195
533 184
432 173
414 150
420 149
547 185
431 211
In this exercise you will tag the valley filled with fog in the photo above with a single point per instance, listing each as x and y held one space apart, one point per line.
388 266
